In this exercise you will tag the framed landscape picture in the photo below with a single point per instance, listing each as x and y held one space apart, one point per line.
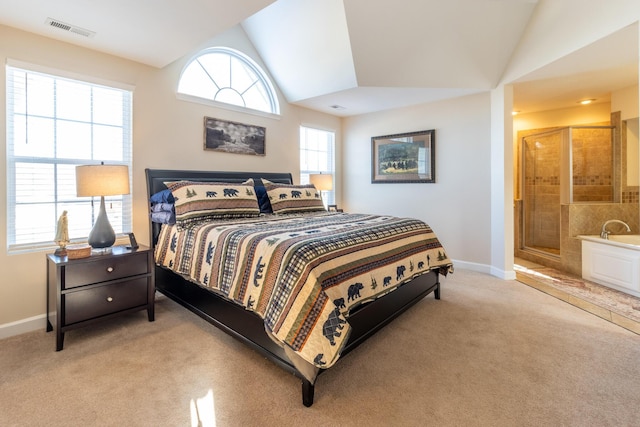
232 137
404 158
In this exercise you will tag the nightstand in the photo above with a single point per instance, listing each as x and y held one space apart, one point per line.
86 290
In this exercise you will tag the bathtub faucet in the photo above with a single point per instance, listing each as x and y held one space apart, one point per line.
605 233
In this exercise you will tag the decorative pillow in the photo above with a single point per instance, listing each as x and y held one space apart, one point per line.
197 201
261 193
163 196
162 208
287 198
163 217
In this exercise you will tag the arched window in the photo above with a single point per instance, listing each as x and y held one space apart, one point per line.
225 75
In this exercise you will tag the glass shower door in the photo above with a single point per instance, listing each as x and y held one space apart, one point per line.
542 158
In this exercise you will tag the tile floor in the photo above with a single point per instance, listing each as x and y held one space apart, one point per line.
610 304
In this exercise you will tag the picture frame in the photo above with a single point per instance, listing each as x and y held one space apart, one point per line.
404 158
234 137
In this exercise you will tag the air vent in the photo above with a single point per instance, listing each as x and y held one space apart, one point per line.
69 28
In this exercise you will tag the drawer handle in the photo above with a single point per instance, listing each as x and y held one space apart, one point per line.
109 269
109 299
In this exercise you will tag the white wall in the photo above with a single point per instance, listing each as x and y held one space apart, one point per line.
457 206
558 28
626 101
167 133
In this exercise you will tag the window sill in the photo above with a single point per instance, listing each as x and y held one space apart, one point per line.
23 249
211 103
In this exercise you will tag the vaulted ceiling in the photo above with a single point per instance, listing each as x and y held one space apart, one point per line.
347 57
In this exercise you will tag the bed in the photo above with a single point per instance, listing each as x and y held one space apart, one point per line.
334 298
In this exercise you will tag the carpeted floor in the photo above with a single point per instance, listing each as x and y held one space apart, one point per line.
489 353
610 304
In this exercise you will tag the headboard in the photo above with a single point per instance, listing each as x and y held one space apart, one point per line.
157 177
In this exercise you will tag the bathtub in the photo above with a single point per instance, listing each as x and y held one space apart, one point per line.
614 263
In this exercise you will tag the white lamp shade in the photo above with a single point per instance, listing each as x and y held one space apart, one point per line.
102 180
322 181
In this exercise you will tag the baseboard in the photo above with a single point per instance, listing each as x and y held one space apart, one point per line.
486 269
23 326
39 322
503 274
473 266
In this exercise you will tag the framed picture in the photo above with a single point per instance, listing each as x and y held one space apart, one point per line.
404 158
232 137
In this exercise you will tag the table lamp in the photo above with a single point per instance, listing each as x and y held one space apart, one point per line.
102 180
322 181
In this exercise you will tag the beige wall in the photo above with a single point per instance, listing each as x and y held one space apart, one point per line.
626 101
167 133
458 205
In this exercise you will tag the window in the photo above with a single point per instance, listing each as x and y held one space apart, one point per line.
54 124
316 156
228 76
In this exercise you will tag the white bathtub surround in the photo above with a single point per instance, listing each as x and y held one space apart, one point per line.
613 262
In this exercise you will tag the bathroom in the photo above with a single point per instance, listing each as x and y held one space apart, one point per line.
576 168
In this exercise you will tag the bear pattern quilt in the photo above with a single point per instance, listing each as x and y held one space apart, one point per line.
303 273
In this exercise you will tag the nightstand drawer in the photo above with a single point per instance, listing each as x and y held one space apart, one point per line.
101 270
100 300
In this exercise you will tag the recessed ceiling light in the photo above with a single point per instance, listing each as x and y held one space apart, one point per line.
586 101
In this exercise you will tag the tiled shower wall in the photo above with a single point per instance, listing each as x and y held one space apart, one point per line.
592 157
584 217
587 219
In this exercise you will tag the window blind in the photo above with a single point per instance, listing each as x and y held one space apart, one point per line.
55 123
317 156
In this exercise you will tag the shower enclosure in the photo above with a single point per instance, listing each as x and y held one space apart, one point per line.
565 165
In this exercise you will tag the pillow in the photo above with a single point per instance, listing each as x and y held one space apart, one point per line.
261 193
163 196
287 198
163 217
162 208
197 201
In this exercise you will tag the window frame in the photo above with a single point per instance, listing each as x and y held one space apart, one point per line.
125 211
261 75
331 154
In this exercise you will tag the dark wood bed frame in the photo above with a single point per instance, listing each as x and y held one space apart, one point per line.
246 326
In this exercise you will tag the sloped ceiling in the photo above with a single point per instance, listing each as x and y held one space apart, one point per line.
347 57
364 56
593 72
152 32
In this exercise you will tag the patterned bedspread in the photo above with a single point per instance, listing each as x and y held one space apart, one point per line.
303 273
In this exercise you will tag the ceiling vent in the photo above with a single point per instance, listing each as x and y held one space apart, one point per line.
69 28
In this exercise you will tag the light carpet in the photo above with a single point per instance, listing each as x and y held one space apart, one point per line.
489 353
